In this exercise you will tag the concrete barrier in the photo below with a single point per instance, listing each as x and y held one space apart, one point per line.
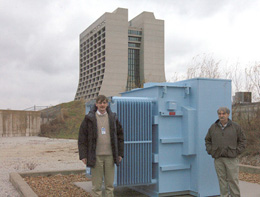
21 186
249 169
19 123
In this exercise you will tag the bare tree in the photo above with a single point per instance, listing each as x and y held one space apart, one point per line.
235 74
176 77
253 80
204 66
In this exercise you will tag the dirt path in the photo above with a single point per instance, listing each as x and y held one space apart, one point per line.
20 154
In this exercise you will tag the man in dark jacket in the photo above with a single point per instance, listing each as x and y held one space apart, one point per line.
101 145
225 140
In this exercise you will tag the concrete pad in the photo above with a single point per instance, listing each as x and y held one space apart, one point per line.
249 189
118 192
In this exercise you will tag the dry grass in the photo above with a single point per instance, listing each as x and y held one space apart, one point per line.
66 124
249 120
58 185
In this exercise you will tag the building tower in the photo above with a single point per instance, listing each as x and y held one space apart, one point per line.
117 55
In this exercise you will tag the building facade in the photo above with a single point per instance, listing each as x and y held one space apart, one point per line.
117 55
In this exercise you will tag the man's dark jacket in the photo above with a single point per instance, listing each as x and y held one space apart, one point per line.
87 140
229 142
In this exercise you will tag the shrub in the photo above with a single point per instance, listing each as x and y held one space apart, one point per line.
248 117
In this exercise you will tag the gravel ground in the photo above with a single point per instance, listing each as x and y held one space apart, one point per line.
62 185
24 154
58 185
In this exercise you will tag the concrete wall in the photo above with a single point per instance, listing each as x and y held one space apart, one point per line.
19 123
246 111
152 47
116 63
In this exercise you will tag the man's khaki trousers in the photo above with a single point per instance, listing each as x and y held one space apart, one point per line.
227 170
104 167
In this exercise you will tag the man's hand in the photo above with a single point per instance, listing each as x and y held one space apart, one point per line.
119 159
84 161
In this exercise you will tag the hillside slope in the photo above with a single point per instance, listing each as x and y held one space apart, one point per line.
66 123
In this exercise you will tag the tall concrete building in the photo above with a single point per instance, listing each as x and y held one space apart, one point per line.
117 55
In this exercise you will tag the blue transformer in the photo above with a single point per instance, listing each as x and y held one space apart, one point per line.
164 128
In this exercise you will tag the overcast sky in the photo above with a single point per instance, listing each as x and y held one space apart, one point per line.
39 40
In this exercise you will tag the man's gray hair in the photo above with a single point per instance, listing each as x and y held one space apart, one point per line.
224 109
